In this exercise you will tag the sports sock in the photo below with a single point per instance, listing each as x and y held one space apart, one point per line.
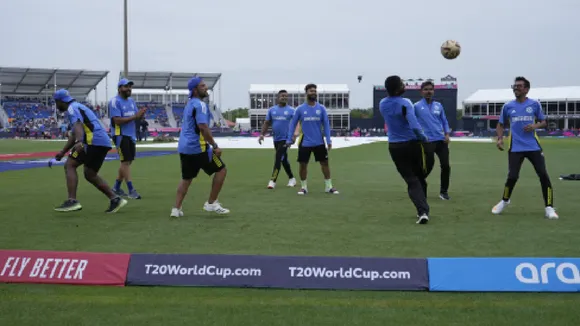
118 184
508 189
328 183
303 184
130 185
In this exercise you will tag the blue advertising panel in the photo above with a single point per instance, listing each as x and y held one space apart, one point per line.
504 274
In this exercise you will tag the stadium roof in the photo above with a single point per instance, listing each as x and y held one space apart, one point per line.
297 88
33 81
175 80
542 94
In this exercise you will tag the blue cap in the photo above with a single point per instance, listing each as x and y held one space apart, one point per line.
192 84
62 95
124 82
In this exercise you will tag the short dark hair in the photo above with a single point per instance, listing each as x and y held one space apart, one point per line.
282 91
523 79
309 86
392 84
427 83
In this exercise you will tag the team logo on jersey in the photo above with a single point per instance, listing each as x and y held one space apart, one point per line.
318 112
285 112
529 109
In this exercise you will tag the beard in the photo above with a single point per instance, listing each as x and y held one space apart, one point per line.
312 98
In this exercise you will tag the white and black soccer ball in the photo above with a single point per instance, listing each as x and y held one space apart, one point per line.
450 49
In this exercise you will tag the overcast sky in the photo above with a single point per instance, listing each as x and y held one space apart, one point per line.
299 41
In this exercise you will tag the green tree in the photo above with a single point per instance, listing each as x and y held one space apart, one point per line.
361 113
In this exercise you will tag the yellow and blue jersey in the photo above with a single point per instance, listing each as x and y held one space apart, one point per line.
280 117
95 133
432 119
191 141
313 119
120 107
518 115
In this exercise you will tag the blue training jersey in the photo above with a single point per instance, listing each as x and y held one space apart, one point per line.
120 107
432 119
518 115
313 119
95 133
280 117
399 115
191 140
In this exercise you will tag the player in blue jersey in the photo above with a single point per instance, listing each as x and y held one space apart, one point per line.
313 118
431 117
125 121
90 144
279 118
406 148
198 150
524 116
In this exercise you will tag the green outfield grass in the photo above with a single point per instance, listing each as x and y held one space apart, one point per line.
371 217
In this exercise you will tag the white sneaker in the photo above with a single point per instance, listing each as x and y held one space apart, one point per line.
303 191
271 184
292 182
497 209
551 213
423 219
216 207
176 212
331 191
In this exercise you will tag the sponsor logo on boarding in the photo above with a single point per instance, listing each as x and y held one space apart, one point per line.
24 266
505 274
567 273
278 272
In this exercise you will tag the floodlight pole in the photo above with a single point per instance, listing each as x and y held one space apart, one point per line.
126 41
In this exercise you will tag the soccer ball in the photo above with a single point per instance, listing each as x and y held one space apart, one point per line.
450 49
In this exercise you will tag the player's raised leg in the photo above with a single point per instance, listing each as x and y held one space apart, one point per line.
538 161
95 157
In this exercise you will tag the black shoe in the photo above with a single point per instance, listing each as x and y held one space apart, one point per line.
69 205
116 204
444 195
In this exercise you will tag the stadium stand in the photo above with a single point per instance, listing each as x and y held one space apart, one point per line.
335 97
26 97
165 95
561 106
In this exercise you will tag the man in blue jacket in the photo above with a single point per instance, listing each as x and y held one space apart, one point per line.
431 116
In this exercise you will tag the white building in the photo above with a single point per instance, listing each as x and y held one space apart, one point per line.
561 105
335 97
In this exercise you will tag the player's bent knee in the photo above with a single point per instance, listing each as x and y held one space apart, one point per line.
90 174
